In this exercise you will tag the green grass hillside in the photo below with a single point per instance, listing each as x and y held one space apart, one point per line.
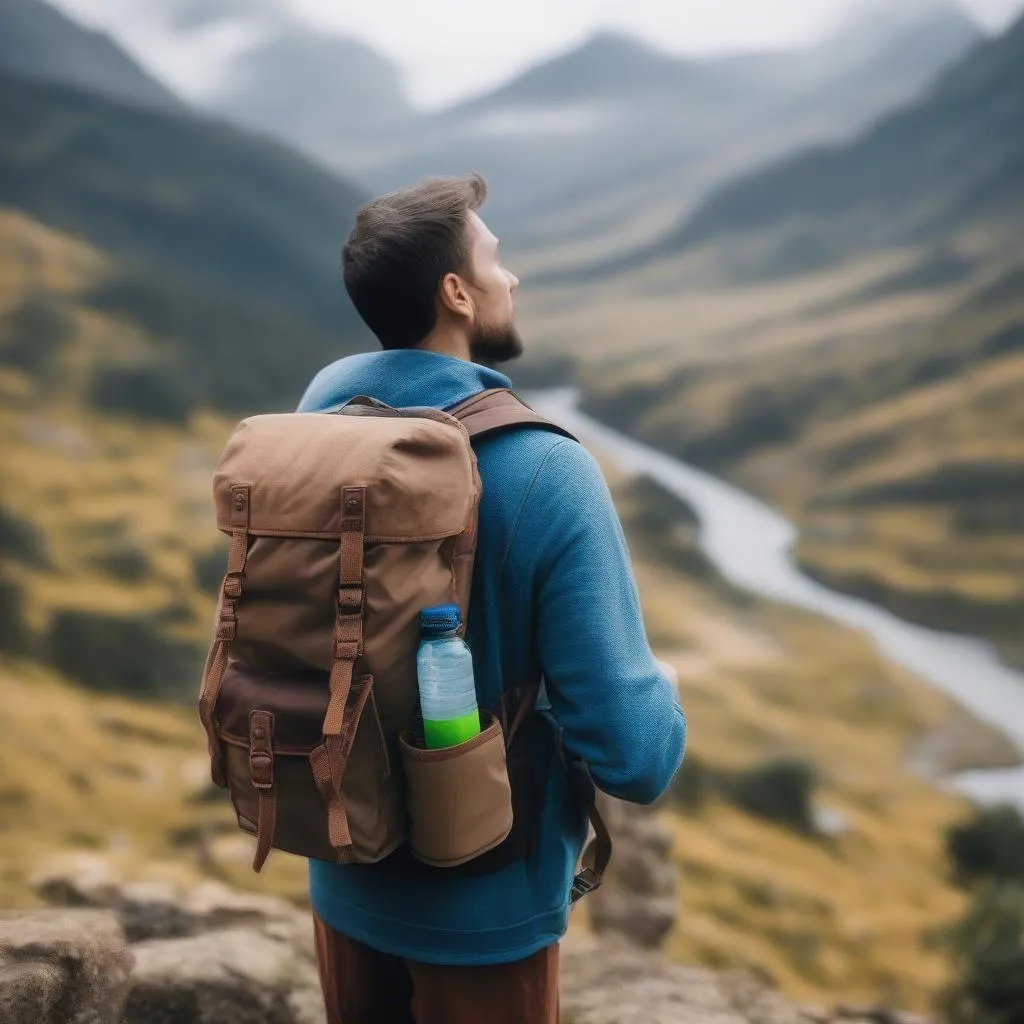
109 563
224 241
843 334
890 429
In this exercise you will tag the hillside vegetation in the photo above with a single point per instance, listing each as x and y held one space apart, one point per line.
39 41
110 560
226 240
844 335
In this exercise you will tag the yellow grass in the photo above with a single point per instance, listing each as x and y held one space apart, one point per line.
827 920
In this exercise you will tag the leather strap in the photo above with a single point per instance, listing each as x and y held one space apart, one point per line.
498 409
328 763
348 623
261 774
329 760
598 852
226 626
488 413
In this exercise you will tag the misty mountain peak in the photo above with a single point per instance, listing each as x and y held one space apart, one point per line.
607 66
872 22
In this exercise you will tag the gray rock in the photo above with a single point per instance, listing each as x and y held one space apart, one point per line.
231 976
30 992
62 967
161 910
639 897
610 981
643 920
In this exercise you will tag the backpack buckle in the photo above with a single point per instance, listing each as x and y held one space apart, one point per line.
261 749
227 624
348 650
350 600
585 882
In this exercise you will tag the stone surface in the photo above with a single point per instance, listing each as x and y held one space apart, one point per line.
62 967
229 976
639 898
215 956
162 910
611 981
30 992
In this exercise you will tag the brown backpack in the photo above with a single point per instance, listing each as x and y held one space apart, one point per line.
343 527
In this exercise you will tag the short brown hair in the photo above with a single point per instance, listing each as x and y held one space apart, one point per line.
399 251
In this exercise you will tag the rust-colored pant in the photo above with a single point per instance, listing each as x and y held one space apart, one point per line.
363 986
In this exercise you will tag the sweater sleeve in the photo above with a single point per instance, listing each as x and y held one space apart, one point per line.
615 707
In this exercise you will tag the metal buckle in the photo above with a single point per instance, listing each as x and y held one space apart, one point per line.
585 882
350 600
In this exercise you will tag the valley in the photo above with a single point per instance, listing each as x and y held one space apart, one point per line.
801 271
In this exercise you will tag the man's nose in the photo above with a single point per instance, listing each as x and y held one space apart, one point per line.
513 281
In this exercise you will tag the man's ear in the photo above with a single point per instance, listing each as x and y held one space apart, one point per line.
455 297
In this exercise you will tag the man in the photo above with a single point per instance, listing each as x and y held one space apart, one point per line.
553 594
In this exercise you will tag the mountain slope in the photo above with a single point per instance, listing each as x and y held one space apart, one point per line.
196 198
615 134
321 92
38 40
609 66
954 158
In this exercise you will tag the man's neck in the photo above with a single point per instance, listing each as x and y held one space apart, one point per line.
447 341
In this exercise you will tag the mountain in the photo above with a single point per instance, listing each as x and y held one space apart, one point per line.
881 57
615 130
318 91
38 40
954 158
607 66
224 240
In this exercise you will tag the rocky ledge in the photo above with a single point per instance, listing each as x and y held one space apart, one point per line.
150 953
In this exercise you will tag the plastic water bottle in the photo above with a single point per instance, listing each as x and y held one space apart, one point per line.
444 670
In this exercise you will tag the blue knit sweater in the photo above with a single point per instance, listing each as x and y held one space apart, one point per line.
553 594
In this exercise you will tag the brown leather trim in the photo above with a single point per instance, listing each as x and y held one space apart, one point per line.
447 753
499 408
261 774
368 538
279 751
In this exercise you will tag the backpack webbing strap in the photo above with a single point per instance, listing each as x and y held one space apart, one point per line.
486 413
598 853
499 408
227 626
261 773
330 759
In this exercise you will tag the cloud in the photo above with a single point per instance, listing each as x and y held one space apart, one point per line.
192 15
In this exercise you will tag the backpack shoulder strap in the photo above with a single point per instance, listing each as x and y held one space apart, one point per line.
498 409
487 413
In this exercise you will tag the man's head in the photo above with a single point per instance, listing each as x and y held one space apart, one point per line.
423 269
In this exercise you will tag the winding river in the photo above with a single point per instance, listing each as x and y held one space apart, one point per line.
750 544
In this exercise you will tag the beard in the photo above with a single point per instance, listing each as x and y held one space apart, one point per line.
490 346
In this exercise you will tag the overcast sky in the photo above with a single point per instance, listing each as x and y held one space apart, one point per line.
451 48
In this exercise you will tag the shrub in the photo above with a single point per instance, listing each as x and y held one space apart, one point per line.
35 333
988 954
209 567
126 561
781 790
990 845
15 636
121 654
22 541
146 391
692 785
